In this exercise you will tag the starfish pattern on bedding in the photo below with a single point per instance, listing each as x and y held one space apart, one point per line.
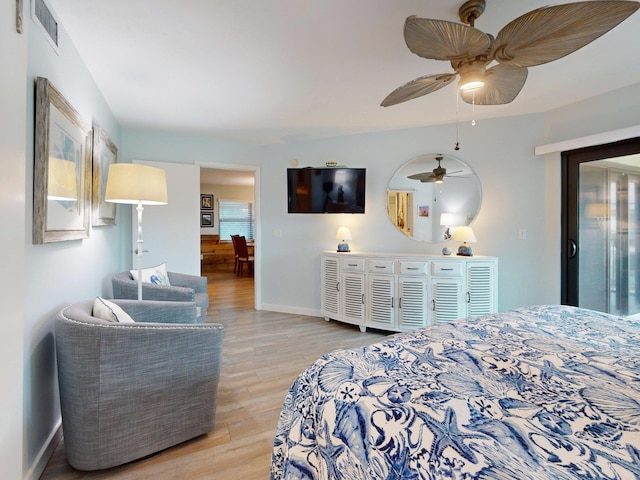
447 434
427 357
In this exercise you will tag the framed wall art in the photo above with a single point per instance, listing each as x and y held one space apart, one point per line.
206 202
62 168
206 219
104 155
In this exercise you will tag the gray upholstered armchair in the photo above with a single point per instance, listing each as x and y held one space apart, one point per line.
128 390
183 288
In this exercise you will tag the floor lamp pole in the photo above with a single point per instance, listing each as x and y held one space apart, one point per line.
140 209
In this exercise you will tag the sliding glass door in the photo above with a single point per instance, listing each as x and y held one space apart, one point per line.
601 228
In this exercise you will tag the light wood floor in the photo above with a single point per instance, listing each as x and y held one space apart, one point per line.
263 353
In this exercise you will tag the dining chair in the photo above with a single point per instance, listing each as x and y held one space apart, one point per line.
235 252
243 255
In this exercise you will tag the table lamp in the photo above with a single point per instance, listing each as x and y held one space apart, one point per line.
465 235
343 235
137 185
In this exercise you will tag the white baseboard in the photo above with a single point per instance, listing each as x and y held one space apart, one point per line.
45 453
309 312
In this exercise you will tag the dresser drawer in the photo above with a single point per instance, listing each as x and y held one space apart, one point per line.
381 266
413 268
353 264
447 268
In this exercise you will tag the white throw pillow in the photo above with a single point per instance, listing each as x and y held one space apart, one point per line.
110 312
156 275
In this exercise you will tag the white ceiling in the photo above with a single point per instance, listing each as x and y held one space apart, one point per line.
268 71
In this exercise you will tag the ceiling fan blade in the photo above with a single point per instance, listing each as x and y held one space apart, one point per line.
418 87
502 85
550 33
423 177
451 173
442 40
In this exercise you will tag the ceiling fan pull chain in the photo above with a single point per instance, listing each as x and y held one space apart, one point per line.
473 121
457 147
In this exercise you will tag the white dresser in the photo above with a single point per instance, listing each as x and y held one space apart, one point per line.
399 292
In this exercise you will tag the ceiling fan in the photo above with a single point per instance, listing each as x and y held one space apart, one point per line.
539 36
437 175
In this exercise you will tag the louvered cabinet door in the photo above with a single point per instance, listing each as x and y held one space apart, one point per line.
447 302
330 288
381 302
353 298
481 288
413 303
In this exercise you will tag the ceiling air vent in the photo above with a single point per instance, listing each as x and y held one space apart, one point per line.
46 19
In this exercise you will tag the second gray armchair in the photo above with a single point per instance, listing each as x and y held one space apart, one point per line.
183 288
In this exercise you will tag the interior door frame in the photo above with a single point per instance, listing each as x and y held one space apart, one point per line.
257 212
570 243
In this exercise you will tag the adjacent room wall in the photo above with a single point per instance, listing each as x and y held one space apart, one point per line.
224 192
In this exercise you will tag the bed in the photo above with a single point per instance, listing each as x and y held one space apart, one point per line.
544 392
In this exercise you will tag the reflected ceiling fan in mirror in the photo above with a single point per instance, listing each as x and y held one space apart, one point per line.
436 176
537 37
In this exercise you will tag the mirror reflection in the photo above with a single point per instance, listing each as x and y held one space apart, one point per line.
432 194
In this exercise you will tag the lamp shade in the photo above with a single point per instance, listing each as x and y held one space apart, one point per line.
597 210
134 183
452 219
62 182
464 234
343 234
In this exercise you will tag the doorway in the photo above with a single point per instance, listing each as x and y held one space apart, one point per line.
601 227
229 185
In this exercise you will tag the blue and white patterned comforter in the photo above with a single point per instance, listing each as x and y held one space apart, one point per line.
543 392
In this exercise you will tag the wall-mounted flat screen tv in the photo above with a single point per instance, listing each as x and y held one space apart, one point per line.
326 190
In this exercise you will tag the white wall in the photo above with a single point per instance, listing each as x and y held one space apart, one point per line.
58 273
520 191
13 126
500 151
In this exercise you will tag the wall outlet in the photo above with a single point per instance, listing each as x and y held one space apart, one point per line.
277 233
522 234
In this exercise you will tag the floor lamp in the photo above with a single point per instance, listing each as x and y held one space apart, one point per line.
137 185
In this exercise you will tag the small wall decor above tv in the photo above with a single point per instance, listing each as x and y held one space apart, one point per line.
326 190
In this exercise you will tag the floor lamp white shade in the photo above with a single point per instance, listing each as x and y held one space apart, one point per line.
137 185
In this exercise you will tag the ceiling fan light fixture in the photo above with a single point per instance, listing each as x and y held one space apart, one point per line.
471 78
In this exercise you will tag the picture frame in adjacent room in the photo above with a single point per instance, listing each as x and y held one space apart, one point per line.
206 219
423 211
105 153
206 202
62 168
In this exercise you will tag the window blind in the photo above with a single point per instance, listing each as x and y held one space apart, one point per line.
236 218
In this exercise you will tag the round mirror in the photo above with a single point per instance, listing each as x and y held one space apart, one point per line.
432 194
